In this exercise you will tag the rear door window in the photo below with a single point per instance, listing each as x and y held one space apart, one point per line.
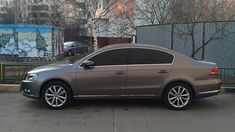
149 56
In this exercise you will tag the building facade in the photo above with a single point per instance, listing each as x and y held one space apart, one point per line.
36 12
7 12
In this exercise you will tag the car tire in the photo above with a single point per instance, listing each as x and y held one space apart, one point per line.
70 53
178 96
56 95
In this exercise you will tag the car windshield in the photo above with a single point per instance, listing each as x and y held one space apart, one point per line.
68 43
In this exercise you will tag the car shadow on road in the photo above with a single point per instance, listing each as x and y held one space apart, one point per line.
78 104
107 103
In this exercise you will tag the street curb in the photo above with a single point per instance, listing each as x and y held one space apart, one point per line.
9 87
16 88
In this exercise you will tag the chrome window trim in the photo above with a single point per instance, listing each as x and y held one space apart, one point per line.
150 48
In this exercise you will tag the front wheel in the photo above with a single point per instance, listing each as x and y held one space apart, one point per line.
178 96
70 53
56 95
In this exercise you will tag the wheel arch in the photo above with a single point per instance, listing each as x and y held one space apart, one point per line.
180 81
50 80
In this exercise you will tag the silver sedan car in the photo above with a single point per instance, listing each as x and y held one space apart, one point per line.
134 70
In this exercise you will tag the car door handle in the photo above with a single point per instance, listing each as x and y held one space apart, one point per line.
119 73
163 72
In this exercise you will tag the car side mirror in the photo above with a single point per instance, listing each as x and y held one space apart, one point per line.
88 64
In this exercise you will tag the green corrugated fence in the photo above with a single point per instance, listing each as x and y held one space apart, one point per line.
227 75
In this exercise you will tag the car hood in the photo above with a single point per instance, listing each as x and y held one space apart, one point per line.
53 66
67 47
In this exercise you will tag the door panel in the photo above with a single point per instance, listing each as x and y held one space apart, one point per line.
102 80
146 79
147 70
107 77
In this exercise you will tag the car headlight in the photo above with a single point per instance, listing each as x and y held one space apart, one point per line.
31 77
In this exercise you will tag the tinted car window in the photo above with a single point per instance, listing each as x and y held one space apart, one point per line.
148 56
76 43
112 57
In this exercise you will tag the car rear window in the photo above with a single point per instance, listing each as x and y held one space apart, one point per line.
149 56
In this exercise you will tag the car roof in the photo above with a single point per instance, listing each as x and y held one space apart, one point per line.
69 42
129 45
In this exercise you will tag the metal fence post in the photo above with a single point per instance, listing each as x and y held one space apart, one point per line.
1 72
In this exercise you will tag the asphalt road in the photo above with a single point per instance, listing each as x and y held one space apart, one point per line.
20 114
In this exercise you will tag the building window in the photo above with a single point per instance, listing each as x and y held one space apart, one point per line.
101 4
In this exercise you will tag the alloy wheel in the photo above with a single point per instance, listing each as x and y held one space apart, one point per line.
56 96
178 96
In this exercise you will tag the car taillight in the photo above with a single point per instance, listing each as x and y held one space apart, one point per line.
215 71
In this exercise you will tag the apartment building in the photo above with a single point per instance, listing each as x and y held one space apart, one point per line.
7 14
6 3
58 13
35 12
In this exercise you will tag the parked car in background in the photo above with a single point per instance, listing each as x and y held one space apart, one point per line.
125 70
74 47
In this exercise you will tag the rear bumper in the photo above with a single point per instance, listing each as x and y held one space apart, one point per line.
210 89
208 93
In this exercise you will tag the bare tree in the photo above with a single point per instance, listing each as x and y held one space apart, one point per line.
153 11
64 13
123 21
123 27
188 12
96 10
200 12
144 12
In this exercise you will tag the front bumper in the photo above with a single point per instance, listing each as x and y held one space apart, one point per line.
30 89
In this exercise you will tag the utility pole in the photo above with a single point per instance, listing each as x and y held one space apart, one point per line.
37 6
16 11
203 40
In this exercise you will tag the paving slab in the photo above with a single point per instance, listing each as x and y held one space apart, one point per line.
21 114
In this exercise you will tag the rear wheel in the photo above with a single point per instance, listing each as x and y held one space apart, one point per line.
178 96
56 95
